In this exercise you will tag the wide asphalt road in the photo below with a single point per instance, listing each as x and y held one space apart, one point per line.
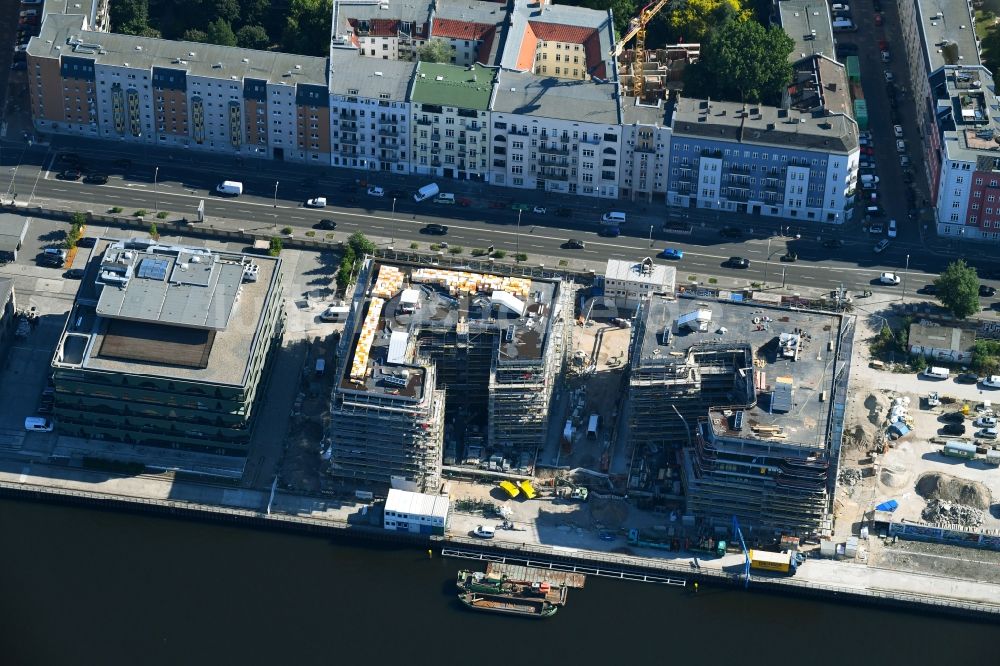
274 196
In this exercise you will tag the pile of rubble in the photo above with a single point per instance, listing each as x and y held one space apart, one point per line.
942 512
849 476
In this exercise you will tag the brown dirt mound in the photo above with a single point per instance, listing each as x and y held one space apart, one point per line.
953 489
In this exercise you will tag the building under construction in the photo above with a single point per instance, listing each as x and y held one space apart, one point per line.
662 70
430 349
734 404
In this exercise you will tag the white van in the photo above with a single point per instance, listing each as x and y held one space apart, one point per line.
485 531
426 192
232 188
445 198
38 424
613 217
932 372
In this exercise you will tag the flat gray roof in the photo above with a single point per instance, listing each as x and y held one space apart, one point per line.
947 22
12 231
63 36
382 16
148 347
369 77
470 11
808 22
526 94
759 329
973 128
635 113
765 125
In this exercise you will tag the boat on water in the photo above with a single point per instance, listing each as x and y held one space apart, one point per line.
500 594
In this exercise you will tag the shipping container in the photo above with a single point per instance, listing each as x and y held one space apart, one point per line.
959 450
854 69
767 561
857 92
861 114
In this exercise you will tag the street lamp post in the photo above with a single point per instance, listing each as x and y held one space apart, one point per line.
392 240
651 235
275 194
517 238
902 298
156 194
767 260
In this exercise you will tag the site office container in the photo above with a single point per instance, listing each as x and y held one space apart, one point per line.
768 561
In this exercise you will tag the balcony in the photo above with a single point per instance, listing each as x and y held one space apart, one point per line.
518 132
502 164
387 131
739 168
435 163
553 151
548 175
461 140
348 115
551 162
425 121
435 136
349 140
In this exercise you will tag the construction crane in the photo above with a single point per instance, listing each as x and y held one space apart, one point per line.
637 29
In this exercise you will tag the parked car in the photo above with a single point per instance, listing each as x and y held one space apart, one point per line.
484 532
95 179
789 256
985 422
737 262
672 253
986 291
538 210
929 289
881 246
69 174
898 131
953 429
900 146
878 20
74 274
376 192
435 230
889 278
316 202
574 244
892 229
993 382
953 417
967 378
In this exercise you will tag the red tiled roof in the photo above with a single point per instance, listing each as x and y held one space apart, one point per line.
377 27
567 34
555 32
459 29
526 56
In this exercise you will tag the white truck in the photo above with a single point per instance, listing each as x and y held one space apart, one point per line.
230 188
426 192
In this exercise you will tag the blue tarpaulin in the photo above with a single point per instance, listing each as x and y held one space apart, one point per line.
891 505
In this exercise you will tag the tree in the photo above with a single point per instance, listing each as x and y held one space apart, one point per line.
253 37
78 219
195 35
958 289
986 356
434 50
228 10
307 27
220 32
742 62
275 247
154 233
360 244
693 20
130 17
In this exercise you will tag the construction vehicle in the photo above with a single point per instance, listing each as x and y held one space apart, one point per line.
646 539
710 546
786 562
637 29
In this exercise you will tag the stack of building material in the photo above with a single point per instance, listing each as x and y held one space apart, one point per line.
389 282
464 282
359 366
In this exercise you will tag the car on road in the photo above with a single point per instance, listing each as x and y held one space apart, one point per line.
316 202
376 192
904 161
886 57
737 262
892 229
564 212
731 232
992 382
889 278
987 291
326 224
609 231
953 417
953 429
929 289
833 243
574 244
74 274
38 424
95 179
900 146
898 131
672 253
881 246
985 422
967 378
435 230
789 257
538 210
69 174
878 20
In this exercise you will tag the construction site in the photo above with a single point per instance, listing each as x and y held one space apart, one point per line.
734 411
444 370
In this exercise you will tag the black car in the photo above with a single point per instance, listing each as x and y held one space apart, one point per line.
929 289
74 274
789 256
564 212
435 229
737 262
953 417
609 231
833 243
967 378
987 291
69 174
95 179
731 232
573 244
326 224
953 429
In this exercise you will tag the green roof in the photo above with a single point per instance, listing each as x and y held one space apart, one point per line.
451 85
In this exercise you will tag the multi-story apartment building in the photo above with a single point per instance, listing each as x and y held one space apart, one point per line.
645 153
471 29
557 137
427 346
168 346
968 196
798 161
449 108
370 112
383 29
559 42
157 92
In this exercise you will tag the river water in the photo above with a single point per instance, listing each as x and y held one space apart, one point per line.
91 587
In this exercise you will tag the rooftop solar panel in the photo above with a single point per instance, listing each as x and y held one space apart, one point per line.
153 268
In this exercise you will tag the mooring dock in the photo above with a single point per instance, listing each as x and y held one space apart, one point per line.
519 572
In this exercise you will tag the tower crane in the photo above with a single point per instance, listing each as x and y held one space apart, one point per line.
637 29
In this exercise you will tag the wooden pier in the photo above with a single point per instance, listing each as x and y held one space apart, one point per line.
535 575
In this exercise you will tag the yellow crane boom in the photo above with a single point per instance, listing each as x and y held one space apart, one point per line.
637 29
